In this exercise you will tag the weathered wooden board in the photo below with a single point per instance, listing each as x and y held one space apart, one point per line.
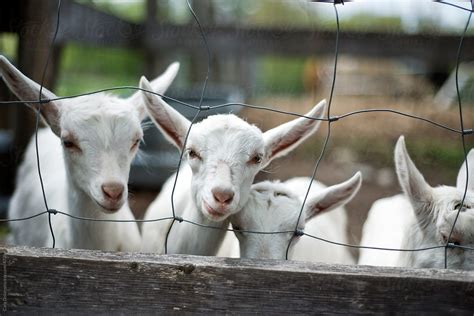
49 280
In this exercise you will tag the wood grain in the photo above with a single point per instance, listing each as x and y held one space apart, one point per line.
48 280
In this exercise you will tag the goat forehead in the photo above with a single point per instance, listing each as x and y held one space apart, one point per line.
227 141
218 121
446 195
100 117
264 210
226 126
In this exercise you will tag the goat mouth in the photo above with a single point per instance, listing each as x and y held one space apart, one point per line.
454 240
215 214
109 209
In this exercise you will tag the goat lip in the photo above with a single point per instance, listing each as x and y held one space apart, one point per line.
110 209
213 212
455 238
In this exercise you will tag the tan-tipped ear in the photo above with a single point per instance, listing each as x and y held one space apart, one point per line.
411 180
28 90
159 85
333 196
284 138
462 174
170 122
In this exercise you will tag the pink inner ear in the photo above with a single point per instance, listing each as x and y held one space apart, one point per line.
294 135
167 126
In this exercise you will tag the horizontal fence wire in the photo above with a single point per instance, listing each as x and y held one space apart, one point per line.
202 109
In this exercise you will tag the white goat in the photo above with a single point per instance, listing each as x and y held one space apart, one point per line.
224 153
275 207
420 218
85 161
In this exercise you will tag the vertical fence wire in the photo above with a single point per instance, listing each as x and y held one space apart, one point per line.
328 134
183 149
37 119
463 140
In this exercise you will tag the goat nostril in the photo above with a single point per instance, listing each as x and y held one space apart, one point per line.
223 196
113 191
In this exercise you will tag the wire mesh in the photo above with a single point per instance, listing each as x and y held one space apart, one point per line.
201 108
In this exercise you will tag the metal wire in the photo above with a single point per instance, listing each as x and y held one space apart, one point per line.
463 140
328 135
200 108
257 107
50 49
192 122
454 5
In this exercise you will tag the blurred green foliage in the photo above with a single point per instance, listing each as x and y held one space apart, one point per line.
4 230
133 11
278 75
86 68
8 45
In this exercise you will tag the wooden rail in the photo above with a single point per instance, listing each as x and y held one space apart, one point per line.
84 24
81 23
80 281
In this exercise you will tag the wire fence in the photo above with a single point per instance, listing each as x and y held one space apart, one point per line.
330 119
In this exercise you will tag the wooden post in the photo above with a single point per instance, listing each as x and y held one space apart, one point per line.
40 280
151 56
35 28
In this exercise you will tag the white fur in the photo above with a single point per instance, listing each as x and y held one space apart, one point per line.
422 217
223 154
88 179
275 207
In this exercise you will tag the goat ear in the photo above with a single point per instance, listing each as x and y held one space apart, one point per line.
158 85
333 196
28 90
462 175
284 138
411 180
169 121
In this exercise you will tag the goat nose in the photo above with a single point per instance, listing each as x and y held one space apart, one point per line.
113 190
223 196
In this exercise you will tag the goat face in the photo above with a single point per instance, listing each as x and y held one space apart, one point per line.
99 133
225 152
435 210
100 137
274 208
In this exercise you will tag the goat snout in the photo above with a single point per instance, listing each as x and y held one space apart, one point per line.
113 190
223 196
455 238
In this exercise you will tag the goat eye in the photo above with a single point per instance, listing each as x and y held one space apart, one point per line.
69 144
462 207
192 154
257 159
236 229
280 194
135 144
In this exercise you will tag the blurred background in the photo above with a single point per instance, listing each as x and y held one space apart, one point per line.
394 54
